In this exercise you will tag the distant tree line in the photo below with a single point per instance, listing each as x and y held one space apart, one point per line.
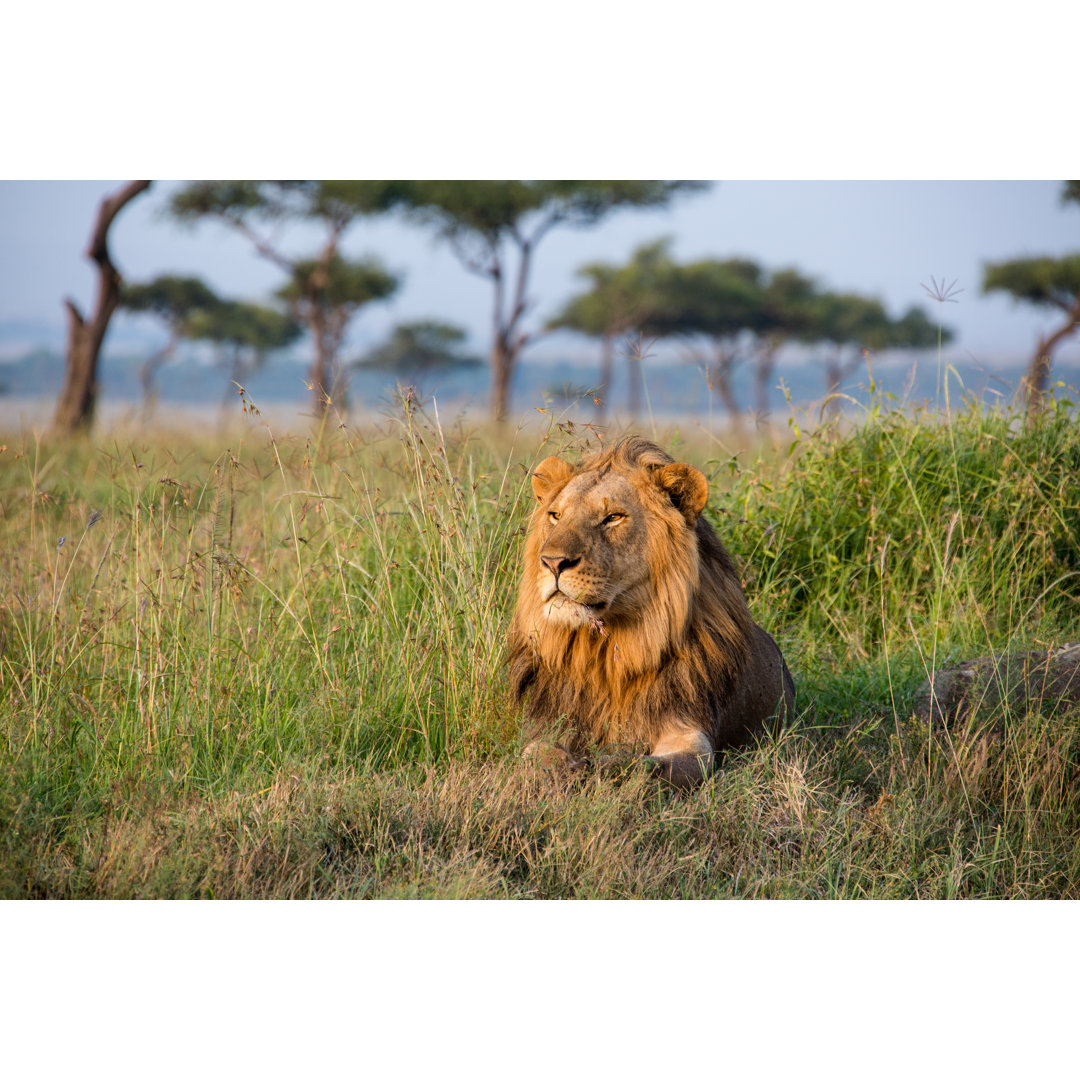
241 333
723 313
728 313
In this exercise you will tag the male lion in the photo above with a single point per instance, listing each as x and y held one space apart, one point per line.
631 626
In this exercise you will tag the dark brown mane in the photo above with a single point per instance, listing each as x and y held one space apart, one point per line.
679 656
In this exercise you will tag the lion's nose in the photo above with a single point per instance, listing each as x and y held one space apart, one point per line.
558 563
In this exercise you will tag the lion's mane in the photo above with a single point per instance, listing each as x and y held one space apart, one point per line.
680 654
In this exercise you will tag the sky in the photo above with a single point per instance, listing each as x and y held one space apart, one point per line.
880 238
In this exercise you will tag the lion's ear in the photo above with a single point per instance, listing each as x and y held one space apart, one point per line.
551 473
688 488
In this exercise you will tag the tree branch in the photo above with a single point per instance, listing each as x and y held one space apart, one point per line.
473 265
496 276
110 207
520 304
1047 345
75 318
262 246
545 226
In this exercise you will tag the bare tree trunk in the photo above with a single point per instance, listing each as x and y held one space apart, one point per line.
1037 380
236 373
320 364
836 371
763 374
720 380
338 319
832 377
635 372
325 375
336 376
148 373
502 370
508 341
607 368
320 374
326 321
78 396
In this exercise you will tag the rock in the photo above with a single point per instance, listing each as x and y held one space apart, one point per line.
1027 680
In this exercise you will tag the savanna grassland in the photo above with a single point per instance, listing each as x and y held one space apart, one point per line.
266 666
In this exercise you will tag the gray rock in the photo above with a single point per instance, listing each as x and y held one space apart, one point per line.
1029 681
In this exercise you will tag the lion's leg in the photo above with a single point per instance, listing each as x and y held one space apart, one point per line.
682 756
551 756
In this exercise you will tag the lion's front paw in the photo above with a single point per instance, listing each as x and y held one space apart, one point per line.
552 756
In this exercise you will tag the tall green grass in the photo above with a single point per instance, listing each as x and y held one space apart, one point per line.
908 542
274 666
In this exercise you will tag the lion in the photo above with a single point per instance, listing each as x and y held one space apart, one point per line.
631 626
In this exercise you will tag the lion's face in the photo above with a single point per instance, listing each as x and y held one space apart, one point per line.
599 534
592 558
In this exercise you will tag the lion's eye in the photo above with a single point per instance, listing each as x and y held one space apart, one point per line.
553 516
612 518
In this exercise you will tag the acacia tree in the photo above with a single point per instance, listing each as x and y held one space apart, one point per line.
622 298
846 323
718 301
318 287
786 311
325 295
850 323
1046 283
244 334
494 227
421 347
173 300
78 395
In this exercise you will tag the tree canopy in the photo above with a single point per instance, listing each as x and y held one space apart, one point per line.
1043 282
621 299
730 311
169 297
242 203
494 227
237 323
421 347
172 299
325 291
339 286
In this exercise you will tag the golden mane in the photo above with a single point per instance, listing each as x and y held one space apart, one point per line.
680 653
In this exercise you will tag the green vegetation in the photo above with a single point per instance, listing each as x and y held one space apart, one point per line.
727 312
324 292
1049 283
273 667
494 228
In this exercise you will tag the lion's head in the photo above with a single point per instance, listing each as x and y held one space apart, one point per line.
631 625
604 535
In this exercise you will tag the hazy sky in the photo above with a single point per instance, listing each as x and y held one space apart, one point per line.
881 238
